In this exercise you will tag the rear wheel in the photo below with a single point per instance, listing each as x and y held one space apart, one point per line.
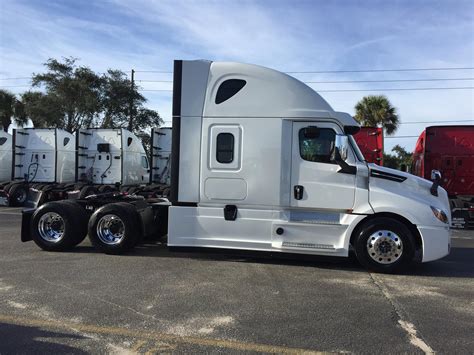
58 226
384 245
18 195
115 228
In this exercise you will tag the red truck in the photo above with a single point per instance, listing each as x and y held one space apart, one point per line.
450 149
370 142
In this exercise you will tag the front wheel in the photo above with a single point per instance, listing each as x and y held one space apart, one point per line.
384 245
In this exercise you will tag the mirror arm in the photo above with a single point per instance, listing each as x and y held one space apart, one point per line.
434 187
345 168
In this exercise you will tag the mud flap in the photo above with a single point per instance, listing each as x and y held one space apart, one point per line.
33 198
4 198
26 216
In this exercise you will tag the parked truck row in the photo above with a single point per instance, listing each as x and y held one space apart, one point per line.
259 161
40 165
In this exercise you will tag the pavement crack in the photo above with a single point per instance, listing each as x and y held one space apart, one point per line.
98 298
416 339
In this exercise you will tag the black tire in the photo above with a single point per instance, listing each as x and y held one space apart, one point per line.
74 225
128 222
384 254
18 195
87 191
105 189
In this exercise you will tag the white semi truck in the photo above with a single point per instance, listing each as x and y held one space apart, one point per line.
5 157
261 162
41 157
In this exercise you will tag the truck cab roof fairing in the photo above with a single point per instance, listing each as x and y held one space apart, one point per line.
267 93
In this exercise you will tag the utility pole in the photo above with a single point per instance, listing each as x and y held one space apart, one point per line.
130 122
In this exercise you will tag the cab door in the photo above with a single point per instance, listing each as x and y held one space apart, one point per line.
316 181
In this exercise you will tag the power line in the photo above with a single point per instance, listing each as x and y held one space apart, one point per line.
153 71
316 71
155 90
19 78
157 81
358 90
376 70
15 86
383 81
345 81
450 121
401 89
344 71
336 90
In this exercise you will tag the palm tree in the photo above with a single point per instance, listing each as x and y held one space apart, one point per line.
11 108
377 111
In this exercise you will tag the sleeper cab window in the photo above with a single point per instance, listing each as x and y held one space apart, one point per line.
225 148
228 89
317 144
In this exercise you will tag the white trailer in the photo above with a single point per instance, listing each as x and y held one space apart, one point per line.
261 162
5 156
40 157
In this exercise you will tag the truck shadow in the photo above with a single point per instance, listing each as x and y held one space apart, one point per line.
31 339
460 262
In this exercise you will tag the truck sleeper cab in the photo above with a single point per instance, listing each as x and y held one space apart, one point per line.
260 161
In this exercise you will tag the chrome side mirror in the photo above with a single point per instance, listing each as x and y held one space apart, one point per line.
435 175
341 147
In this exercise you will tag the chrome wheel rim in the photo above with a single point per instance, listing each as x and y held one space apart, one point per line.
51 227
110 229
385 247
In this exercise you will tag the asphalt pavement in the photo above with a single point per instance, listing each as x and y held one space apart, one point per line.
158 301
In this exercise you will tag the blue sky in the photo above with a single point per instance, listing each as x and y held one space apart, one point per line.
285 35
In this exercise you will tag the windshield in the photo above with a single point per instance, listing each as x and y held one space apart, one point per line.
357 151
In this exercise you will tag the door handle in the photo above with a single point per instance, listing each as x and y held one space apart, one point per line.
298 192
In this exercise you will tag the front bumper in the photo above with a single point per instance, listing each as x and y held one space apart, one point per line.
436 242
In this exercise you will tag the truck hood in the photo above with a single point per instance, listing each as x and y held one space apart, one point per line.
408 185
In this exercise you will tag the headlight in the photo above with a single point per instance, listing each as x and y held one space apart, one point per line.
440 214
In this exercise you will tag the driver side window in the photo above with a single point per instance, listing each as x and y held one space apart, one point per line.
317 147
